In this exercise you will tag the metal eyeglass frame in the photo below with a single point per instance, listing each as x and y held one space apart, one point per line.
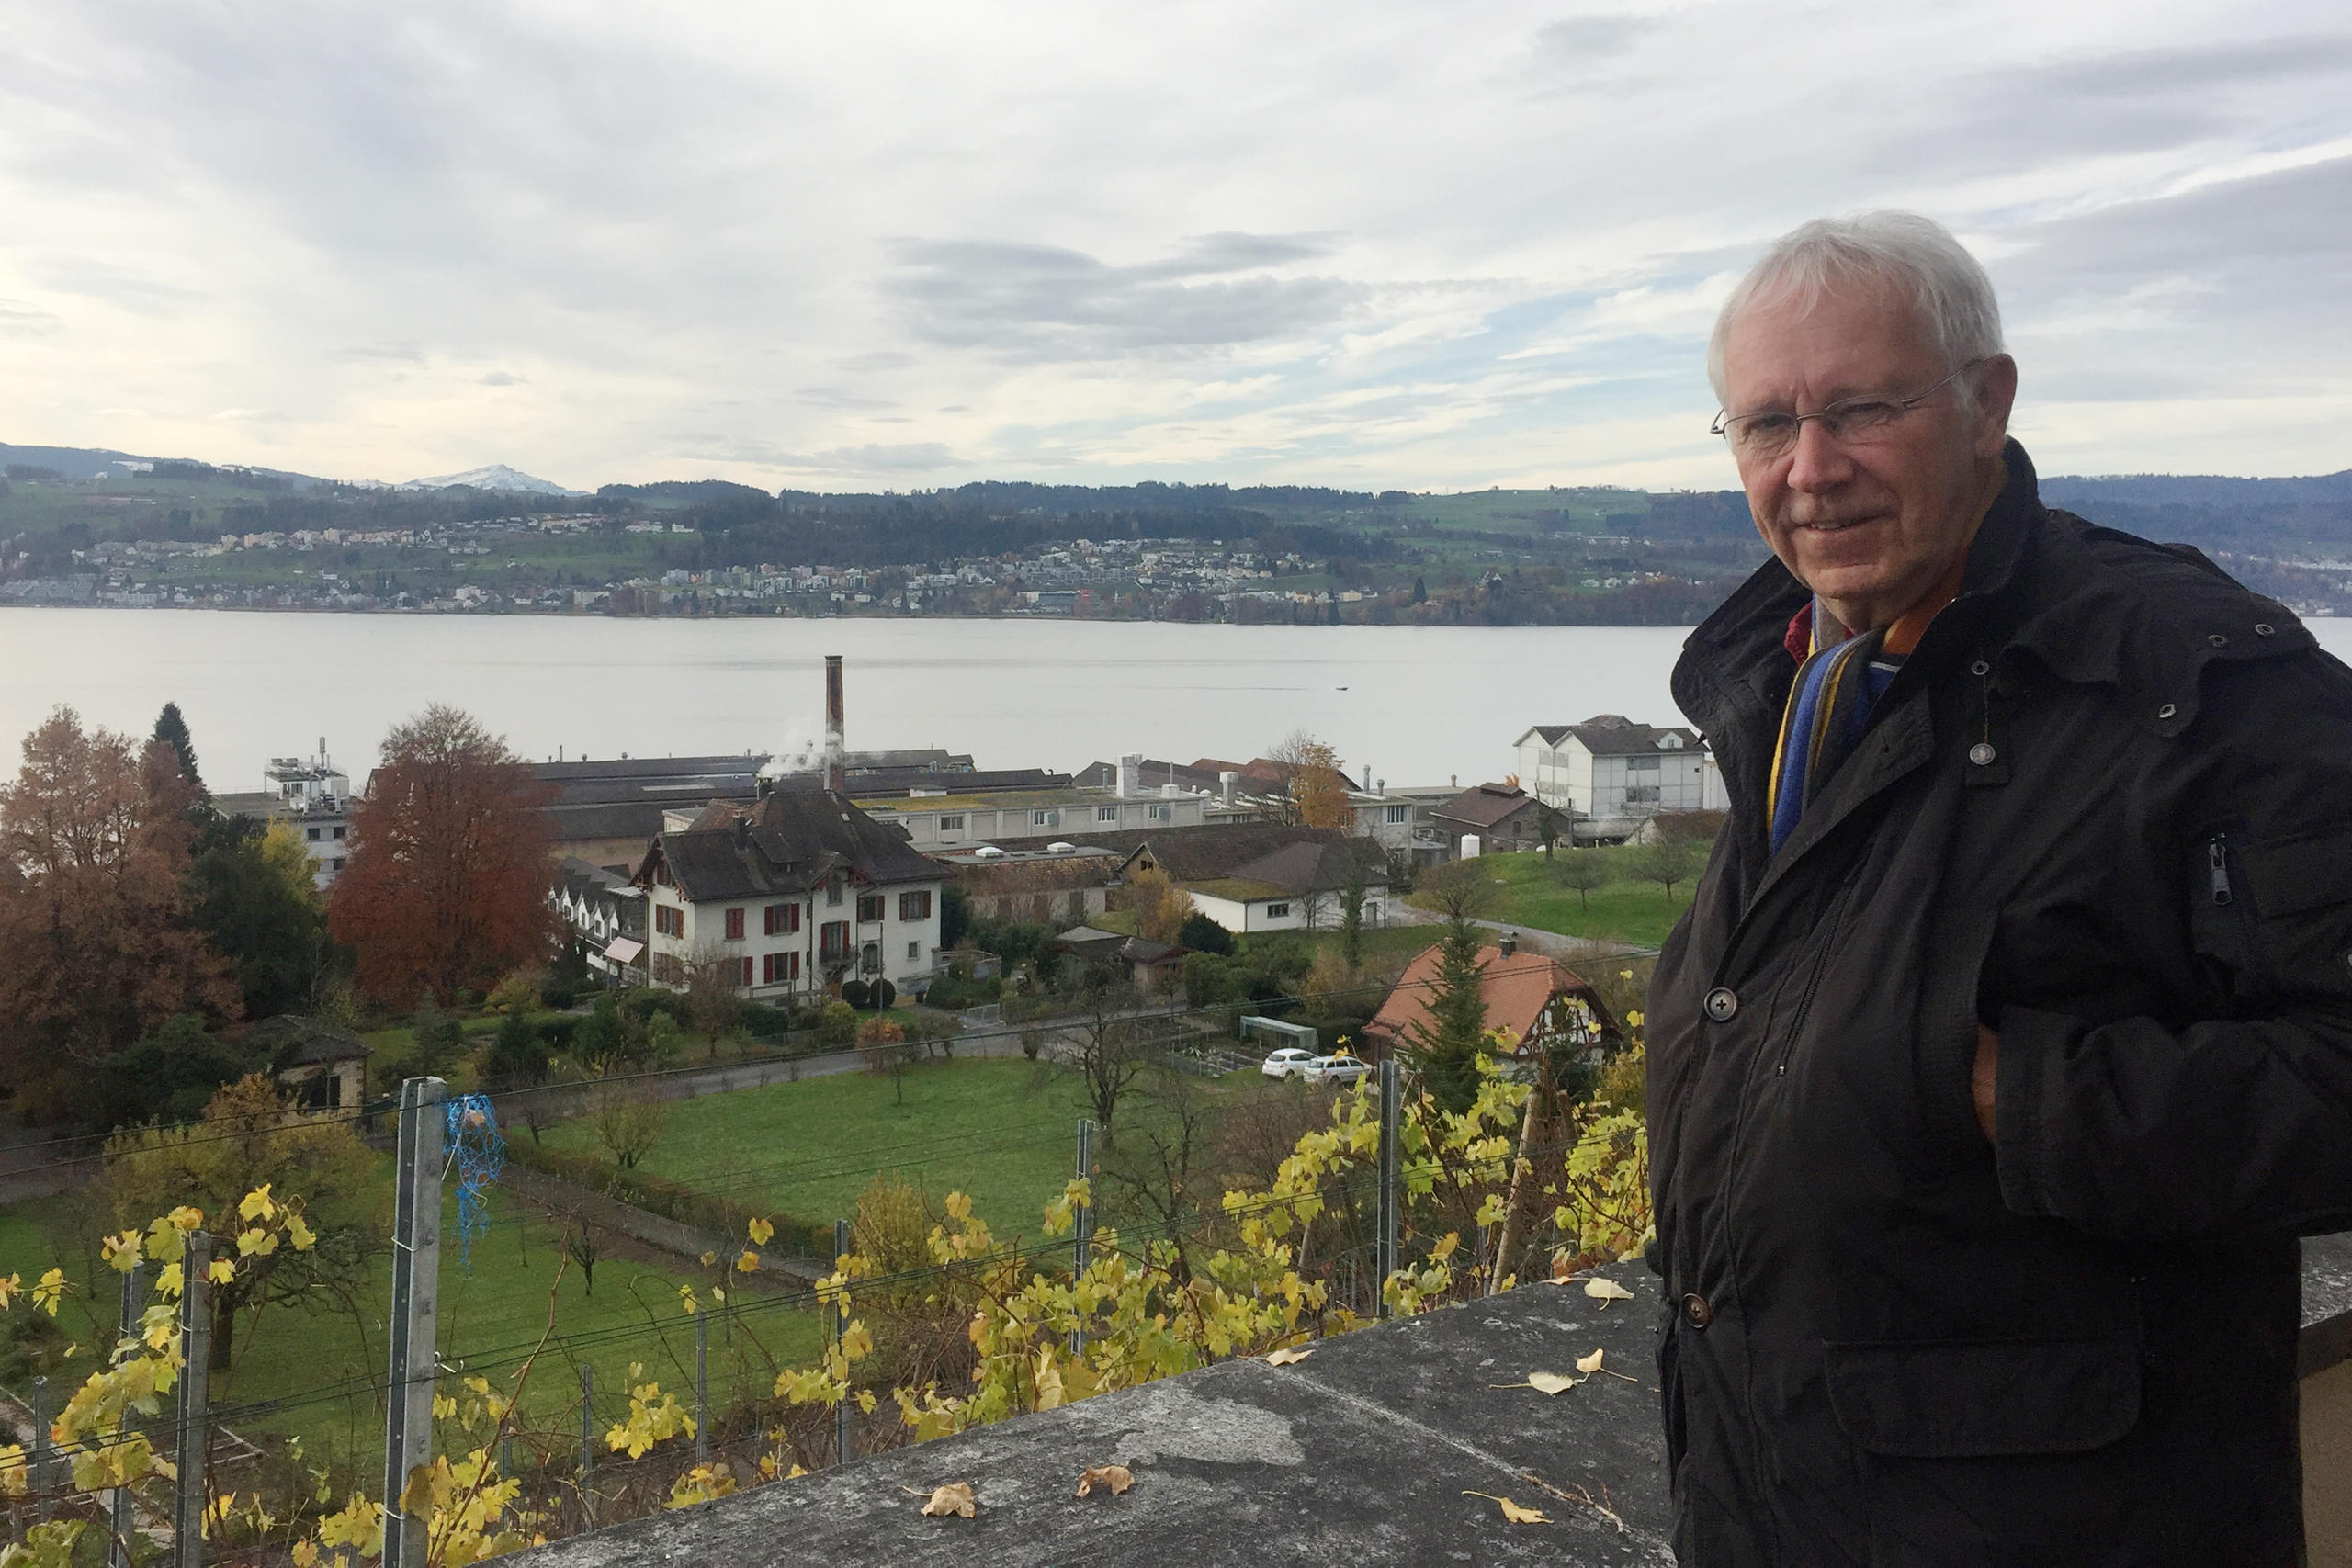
1724 424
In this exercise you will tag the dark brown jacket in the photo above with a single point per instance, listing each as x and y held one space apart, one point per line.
2107 809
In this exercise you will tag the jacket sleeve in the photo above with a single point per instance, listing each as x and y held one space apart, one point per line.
2238 1123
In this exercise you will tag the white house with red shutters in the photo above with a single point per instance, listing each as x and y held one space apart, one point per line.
791 895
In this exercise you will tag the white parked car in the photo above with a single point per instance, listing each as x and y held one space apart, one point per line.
1290 1063
1339 1069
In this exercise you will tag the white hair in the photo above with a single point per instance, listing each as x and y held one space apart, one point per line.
1955 298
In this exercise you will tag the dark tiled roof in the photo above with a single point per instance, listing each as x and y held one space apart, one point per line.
1154 773
1487 804
787 843
293 1041
1614 735
1291 860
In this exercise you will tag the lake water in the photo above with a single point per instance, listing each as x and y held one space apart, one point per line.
1414 704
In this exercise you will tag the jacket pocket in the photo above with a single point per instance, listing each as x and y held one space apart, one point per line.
1945 1030
1975 1398
2299 907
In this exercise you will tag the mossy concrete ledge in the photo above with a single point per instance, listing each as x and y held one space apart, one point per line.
1365 1452
1362 1454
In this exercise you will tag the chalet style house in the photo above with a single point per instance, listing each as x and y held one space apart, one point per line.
1538 1004
788 896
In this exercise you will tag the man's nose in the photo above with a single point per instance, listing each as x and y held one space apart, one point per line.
1817 463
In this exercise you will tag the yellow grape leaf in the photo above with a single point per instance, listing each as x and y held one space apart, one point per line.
761 1232
1552 1382
1512 1512
256 1240
1114 1478
749 1261
12 1286
305 1555
956 1497
1287 1358
299 1233
1588 1364
223 1270
709 1259
1606 1291
959 1206
257 1205
50 1293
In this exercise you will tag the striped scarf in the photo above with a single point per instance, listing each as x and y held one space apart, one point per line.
1836 689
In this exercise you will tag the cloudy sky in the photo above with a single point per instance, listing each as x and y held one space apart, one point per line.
1364 244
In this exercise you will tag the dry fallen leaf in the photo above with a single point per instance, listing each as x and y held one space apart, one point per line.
1561 1272
956 1497
1552 1382
1284 1358
1116 1478
1606 1291
1512 1512
1589 1363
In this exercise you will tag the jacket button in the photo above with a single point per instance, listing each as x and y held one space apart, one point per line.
1696 1312
2166 711
1721 1004
2262 629
1982 754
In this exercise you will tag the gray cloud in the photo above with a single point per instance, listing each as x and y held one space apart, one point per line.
1579 43
501 379
1044 303
902 458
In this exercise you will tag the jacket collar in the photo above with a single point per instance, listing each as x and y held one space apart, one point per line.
1734 659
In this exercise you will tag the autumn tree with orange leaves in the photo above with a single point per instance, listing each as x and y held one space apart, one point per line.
445 888
93 946
1314 792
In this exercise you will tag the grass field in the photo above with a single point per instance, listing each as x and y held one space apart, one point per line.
317 1362
1530 894
1002 1129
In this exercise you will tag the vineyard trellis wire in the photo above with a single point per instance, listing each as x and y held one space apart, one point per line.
1265 1293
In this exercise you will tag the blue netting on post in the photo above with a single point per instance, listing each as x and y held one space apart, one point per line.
479 1154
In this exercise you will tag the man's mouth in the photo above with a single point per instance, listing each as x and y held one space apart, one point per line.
1834 525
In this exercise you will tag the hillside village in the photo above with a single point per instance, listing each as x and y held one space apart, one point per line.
798 880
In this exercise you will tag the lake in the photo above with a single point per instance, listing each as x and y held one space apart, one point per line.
1414 704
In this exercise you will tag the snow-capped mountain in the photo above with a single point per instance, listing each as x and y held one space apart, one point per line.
498 476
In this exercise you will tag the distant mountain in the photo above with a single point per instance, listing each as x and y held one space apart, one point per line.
67 462
2076 492
497 477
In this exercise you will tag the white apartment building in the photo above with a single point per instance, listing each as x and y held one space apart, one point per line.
792 895
1612 773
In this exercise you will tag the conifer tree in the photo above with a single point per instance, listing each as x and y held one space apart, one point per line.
1446 1044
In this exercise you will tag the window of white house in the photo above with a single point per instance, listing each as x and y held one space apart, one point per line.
914 950
951 822
1045 820
1671 742
1638 794
311 834
833 891
1165 813
341 832
1642 764
1278 911
1106 814
1399 813
338 863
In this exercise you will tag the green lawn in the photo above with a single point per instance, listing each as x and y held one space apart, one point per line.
1002 1130
491 1314
1530 894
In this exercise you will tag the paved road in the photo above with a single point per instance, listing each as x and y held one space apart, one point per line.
1535 937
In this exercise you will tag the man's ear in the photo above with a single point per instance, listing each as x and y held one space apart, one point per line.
1997 393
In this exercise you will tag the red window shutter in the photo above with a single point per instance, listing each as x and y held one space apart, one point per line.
793 922
767 921
734 925
796 965
747 969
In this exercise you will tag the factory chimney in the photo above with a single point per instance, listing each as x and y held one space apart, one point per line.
1225 783
835 762
1130 775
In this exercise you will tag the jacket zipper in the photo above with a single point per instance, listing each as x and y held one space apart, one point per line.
2217 865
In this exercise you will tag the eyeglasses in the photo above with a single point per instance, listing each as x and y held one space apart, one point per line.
1854 422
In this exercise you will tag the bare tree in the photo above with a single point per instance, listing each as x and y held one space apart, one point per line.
1583 870
1162 1179
629 1118
1461 890
1666 863
1314 792
1106 1050
713 976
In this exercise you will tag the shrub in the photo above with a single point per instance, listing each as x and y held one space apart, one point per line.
856 994
882 994
518 992
1202 934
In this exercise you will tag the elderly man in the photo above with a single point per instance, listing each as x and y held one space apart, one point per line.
2007 1046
